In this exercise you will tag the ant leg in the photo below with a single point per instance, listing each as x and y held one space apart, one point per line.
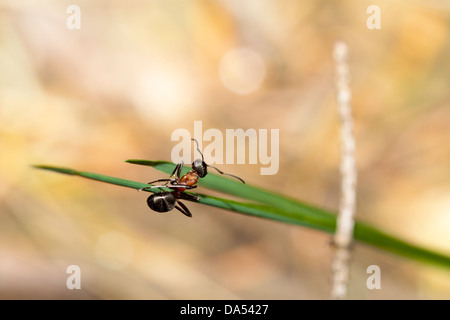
171 179
171 186
188 196
152 187
177 171
168 186
159 180
184 210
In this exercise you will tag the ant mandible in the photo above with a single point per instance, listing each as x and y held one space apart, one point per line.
167 200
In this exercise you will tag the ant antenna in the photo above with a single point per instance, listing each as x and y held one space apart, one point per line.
227 174
198 149
219 171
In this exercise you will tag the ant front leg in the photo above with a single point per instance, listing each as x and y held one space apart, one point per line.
176 174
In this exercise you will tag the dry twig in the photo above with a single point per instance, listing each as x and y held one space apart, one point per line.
345 222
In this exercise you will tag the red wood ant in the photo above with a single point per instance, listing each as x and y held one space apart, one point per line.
167 200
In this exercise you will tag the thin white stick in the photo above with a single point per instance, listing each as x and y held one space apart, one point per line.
345 221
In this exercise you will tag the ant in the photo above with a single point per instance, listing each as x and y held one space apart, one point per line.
167 200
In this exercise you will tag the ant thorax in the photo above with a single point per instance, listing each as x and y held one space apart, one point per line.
189 179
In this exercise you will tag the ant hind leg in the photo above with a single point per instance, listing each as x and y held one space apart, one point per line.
188 196
184 210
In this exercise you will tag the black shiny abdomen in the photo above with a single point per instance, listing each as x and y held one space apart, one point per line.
162 201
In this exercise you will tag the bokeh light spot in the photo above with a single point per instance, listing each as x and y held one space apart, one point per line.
242 70
160 93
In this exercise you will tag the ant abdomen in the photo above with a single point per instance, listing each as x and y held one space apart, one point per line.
162 201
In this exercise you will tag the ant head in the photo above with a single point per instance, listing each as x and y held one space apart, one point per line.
200 167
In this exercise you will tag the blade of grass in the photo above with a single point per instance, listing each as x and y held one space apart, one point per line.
264 211
363 232
94 176
244 191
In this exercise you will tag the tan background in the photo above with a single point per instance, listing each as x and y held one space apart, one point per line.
137 70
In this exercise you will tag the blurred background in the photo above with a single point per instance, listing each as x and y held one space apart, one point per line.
135 71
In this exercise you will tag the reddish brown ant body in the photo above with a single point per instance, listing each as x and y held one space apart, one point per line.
165 201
